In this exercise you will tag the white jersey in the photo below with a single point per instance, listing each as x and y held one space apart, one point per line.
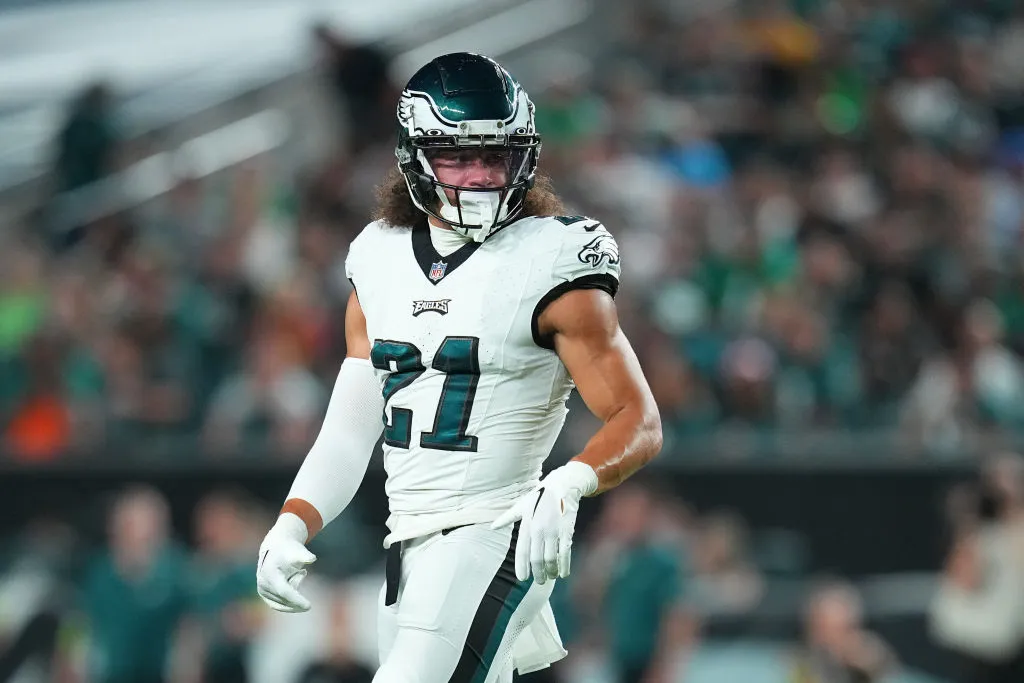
475 396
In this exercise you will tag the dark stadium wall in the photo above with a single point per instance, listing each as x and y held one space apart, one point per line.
856 522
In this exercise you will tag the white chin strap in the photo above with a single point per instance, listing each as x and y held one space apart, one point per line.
477 208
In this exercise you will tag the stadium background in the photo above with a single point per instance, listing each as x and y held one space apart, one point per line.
819 205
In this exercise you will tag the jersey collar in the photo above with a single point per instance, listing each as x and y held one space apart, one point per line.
434 266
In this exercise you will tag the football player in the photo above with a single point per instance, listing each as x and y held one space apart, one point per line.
477 308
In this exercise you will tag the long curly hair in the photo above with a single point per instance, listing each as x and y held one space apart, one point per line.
395 206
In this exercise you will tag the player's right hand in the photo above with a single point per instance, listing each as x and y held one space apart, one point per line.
282 565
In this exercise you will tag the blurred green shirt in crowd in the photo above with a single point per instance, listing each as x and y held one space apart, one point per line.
645 584
132 624
220 596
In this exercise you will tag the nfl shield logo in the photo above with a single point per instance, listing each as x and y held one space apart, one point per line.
437 270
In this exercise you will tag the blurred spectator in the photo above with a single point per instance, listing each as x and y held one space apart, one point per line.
784 44
49 377
40 427
272 400
725 581
23 296
693 153
359 75
339 665
223 597
748 375
87 144
979 608
843 191
836 647
261 226
892 342
977 381
923 100
134 594
183 225
631 584
568 109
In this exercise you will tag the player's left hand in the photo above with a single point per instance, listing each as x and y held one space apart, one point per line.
547 517
281 567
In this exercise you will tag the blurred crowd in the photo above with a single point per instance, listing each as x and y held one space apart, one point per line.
661 592
818 202
132 601
822 205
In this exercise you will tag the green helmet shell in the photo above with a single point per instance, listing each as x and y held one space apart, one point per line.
458 101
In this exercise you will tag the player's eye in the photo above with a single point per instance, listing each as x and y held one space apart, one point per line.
470 158
452 160
496 159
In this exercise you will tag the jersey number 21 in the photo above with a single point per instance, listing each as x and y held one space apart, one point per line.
458 358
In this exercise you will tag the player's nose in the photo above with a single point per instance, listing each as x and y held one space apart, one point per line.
482 175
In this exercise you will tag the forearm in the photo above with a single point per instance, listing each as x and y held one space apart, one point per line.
627 441
335 465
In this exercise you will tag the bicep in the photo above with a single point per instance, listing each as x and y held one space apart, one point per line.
357 342
596 352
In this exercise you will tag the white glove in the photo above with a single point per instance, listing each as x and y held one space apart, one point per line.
548 515
282 562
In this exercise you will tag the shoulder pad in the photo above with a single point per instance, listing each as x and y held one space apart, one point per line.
357 248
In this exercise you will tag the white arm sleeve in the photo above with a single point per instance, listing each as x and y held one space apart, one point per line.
337 461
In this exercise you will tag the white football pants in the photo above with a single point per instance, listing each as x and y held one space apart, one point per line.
458 611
